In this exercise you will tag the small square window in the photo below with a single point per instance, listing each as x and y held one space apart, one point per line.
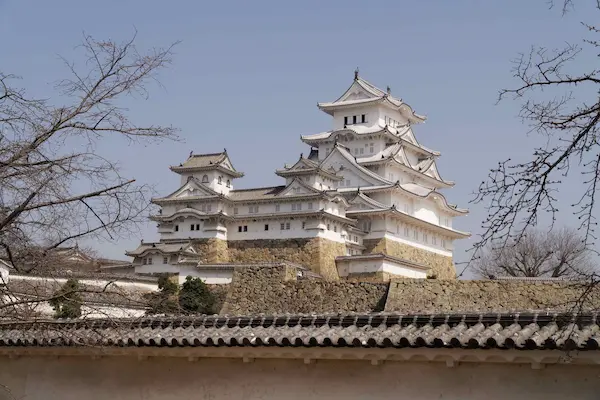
165 260
192 227
176 228
266 227
287 225
282 226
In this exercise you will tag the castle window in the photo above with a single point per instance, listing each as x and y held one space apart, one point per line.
235 210
205 179
245 228
345 120
335 228
176 228
425 238
228 183
282 226
197 227
328 227
144 261
239 228
443 243
220 180
416 234
362 151
149 260
406 231
266 227
363 118
303 224
434 239
354 119
371 148
165 260
310 206
277 207
296 206
192 227
287 226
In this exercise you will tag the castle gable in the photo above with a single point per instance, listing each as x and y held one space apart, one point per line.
193 188
345 164
297 187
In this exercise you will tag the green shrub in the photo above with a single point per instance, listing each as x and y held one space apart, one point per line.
196 297
67 300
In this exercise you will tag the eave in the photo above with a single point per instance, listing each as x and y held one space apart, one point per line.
181 169
413 220
382 256
435 196
308 213
332 134
284 173
410 170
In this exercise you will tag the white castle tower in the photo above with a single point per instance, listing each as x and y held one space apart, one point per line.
364 204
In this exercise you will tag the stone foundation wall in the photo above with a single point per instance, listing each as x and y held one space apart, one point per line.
212 250
442 267
276 290
318 254
488 296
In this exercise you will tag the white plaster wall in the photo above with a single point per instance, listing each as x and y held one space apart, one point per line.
149 286
212 277
158 378
403 270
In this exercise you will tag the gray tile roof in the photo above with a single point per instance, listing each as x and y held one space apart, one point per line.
519 331
204 160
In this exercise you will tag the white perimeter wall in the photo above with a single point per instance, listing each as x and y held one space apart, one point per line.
160 378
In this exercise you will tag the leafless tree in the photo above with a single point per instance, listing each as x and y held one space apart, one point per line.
561 101
556 253
55 188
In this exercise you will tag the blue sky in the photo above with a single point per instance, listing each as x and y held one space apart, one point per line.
247 76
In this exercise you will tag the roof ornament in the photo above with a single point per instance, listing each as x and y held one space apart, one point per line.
301 155
224 150
389 90
191 153
356 73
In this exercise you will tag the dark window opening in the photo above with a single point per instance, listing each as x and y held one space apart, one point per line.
239 228
245 228
176 228
191 227
354 119
363 118
345 120
266 227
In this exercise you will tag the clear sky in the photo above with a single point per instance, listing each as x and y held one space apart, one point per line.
248 74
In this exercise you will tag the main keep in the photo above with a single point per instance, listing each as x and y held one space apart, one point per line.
364 204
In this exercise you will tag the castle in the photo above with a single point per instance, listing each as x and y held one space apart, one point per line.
364 204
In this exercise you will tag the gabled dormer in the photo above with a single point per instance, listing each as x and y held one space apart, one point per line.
367 105
215 170
310 172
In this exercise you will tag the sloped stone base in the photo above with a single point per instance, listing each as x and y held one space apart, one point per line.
442 267
318 254
212 250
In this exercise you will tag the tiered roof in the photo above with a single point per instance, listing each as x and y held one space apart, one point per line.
362 93
208 162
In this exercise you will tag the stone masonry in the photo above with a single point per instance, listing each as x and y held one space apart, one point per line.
275 290
442 267
272 290
318 254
